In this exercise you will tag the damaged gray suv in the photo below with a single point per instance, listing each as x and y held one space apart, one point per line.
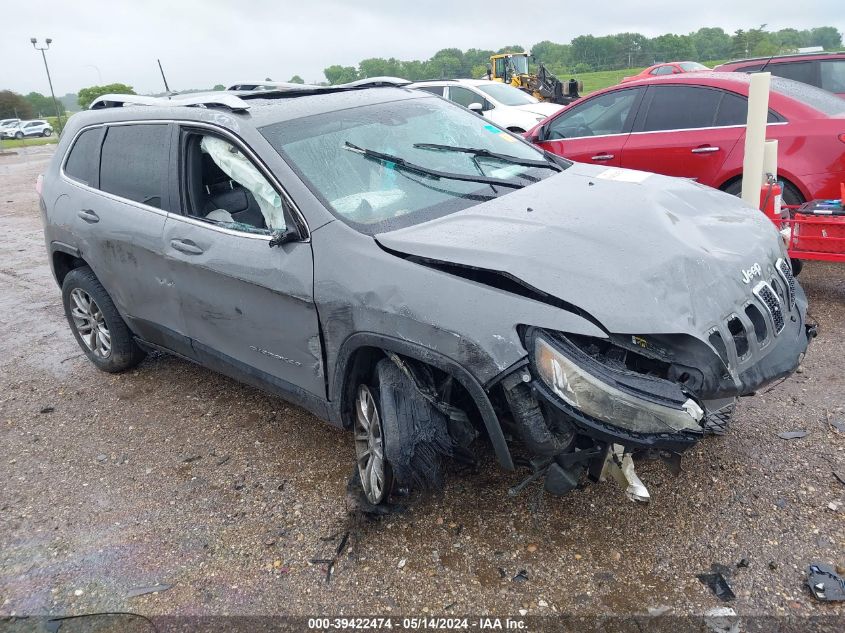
409 271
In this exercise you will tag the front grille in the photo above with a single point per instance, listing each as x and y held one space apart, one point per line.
785 272
767 296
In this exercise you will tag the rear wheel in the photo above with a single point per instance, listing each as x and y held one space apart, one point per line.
19 135
95 322
791 195
47 132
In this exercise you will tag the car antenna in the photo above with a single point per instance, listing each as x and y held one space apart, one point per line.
163 78
766 64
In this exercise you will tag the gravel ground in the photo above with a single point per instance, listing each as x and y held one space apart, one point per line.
173 474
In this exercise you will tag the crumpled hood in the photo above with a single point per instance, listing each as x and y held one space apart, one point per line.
641 253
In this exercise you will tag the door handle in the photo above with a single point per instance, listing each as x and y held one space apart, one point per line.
603 157
186 246
89 216
708 149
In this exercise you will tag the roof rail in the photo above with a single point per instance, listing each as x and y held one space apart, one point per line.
212 100
302 90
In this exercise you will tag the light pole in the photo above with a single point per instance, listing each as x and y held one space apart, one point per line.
35 45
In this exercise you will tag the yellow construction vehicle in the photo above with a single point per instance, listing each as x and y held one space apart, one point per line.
512 68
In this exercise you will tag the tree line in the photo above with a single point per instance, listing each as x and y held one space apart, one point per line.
588 53
585 53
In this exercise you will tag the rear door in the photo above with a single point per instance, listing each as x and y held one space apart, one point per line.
594 129
247 307
118 210
686 131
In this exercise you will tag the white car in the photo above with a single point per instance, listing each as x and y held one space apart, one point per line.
27 128
4 123
503 104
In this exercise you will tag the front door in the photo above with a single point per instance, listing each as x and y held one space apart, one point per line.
247 306
593 130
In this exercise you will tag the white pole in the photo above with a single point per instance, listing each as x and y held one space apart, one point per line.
770 157
755 137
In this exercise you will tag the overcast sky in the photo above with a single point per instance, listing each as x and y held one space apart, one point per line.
205 42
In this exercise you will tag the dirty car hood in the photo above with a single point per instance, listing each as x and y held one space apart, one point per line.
641 253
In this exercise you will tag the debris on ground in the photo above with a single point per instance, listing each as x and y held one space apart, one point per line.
836 423
717 580
331 562
834 505
142 591
825 584
743 563
792 435
521 576
840 475
658 611
47 409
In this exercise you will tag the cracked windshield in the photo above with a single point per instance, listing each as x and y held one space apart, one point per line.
353 160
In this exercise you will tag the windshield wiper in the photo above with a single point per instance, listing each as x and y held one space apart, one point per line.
401 163
486 153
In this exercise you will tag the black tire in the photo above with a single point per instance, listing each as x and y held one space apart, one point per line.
123 352
19 135
797 266
790 195
47 132
416 433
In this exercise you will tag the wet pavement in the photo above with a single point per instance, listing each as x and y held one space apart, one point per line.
173 475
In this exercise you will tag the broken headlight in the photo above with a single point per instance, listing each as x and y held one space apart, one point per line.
614 404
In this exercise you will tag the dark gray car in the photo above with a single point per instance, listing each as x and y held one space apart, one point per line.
402 268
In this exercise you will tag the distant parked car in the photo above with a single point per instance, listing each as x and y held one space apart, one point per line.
823 70
668 68
501 103
28 128
4 123
693 126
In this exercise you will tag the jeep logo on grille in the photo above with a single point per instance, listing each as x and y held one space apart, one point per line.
749 274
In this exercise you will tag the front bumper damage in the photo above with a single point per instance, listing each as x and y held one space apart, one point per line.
582 404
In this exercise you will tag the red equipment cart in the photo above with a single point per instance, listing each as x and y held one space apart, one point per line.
813 230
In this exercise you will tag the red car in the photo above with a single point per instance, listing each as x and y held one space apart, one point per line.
823 70
693 126
668 68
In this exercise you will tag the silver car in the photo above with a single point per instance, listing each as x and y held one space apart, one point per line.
27 128
404 269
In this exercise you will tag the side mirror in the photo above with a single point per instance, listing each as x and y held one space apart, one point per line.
283 236
476 107
541 134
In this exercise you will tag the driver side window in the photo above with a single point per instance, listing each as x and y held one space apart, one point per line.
224 187
603 115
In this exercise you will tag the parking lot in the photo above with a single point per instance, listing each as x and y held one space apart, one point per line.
174 475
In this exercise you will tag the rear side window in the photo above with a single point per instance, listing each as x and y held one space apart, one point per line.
81 162
133 162
681 107
733 110
833 74
804 72
435 90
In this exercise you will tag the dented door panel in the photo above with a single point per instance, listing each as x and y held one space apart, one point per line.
245 302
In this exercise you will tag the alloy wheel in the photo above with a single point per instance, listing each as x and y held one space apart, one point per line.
90 323
369 447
